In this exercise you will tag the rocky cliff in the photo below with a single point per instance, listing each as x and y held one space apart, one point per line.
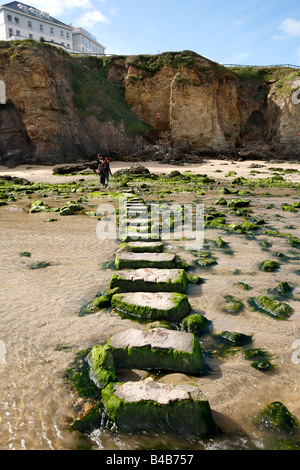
61 108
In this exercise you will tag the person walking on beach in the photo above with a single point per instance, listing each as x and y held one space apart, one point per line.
100 169
107 172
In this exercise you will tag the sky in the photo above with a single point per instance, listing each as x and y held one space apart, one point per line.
245 32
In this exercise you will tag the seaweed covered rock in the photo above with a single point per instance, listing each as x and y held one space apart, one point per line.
273 307
157 349
70 208
150 280
270 266
236 338
128 260
170 306
194 323
141 406
277 417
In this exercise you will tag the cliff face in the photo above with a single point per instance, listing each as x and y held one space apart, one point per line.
62 109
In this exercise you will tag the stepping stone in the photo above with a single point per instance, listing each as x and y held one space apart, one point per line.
137 222
145 405
157 349
150 280
170 306
126 237
145 260
143 247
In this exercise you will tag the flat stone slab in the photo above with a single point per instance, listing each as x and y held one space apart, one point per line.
150 280
170 306
157 349
126 237
144 247
140 406
145 260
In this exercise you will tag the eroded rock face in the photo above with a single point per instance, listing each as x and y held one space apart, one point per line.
53 114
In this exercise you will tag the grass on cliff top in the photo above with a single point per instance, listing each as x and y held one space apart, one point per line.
278 78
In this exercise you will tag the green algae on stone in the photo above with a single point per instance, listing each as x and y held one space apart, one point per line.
194 323
283 288
38 206
150 280
238 203
269 266
150 405
262 365
159 349
170 306
249 226
102 366
70 208
25 254
130 260
193 279
100 302
272 307
276 416
236 338
232 305
39 265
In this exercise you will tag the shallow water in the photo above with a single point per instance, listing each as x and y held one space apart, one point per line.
41 330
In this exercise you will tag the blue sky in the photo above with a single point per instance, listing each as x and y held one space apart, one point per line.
254 32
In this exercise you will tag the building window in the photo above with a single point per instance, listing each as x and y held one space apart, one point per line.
10 32
9 18
41 27
17 21
51 31
29 24
30 36
68 46
67 35
18 33
61 34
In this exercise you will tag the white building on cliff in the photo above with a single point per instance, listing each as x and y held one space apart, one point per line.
19 21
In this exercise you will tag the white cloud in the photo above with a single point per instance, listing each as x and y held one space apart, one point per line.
290 28
58 7
90 18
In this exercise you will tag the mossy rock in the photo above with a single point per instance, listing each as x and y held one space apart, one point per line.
38 206
102 367
150 280
194 323
221 202
238 203
283 288
270 266
193 279
273 307
159 349
220 242
149 405
276 416
236 338
170 306
206 262
232 305
262 365
70 208
39 265
249 226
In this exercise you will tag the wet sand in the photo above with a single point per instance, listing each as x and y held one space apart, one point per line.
42 331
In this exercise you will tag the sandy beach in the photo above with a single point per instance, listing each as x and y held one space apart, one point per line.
42 331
